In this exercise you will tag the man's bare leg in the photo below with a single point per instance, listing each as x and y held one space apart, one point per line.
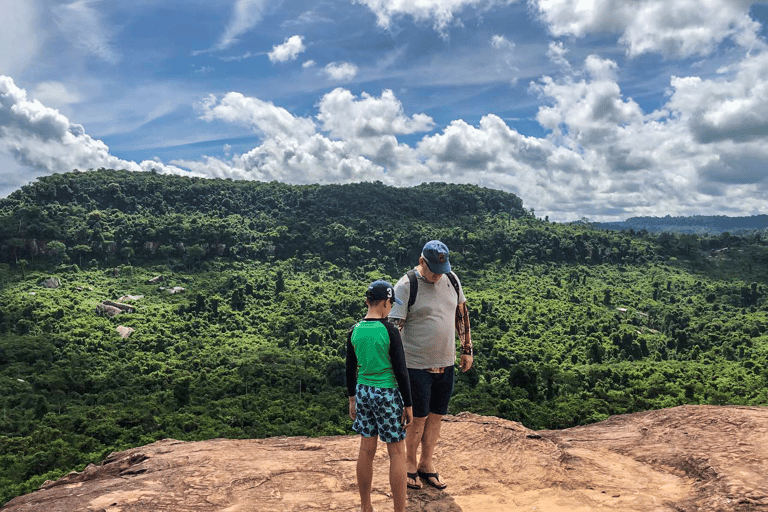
413 438
431 434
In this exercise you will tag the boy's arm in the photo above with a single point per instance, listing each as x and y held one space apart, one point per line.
351 373
397 356
351 367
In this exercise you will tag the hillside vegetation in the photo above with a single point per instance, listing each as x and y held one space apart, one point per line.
244 335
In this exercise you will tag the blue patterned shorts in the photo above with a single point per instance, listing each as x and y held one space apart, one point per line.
379 411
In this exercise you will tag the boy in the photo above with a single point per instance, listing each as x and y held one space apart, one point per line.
379 392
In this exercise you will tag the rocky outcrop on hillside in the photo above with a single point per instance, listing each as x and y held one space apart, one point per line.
685 459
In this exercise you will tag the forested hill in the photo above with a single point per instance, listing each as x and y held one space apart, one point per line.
122 216
108 212
156 194
697 224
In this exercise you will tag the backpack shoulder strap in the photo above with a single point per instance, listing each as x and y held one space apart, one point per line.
454 282
414 286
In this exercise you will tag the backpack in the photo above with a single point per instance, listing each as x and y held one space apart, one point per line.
415 285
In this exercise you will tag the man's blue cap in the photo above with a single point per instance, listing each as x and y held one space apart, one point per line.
436 254
382 290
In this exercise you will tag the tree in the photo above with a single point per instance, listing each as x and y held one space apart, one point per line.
194 254
127 253
57 250
5 272
22 264
81 250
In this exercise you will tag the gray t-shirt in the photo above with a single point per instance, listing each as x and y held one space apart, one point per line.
429 334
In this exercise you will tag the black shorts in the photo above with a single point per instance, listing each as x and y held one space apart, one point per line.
430 392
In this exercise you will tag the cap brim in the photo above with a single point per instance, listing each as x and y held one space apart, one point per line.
398 301
439 268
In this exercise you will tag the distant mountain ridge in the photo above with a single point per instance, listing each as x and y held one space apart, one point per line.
697 224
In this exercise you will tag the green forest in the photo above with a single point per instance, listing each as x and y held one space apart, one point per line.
239 295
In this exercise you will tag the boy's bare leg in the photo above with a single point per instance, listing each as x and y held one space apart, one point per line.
365 471
412 441
397 470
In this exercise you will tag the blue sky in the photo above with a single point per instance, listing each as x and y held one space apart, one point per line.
583 108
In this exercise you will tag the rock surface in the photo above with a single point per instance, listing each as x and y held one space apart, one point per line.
688 458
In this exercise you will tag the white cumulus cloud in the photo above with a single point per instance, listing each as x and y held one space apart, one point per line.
341 71
700 152
344 116
680 28
41 139
355 140
731 108
289 50
262 116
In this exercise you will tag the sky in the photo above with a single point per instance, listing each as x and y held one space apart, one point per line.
596 109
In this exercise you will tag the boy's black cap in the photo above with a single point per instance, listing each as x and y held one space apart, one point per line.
381 290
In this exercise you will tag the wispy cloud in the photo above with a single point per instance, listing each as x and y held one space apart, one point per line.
440 12
245 15
500 42
237 58
81 23
55 94
20 18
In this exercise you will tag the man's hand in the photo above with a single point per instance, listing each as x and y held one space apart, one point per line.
407 416
352 409
466 362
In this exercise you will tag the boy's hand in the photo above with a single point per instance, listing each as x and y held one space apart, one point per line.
466 362
352 409
407 416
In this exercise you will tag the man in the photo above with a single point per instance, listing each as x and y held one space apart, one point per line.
429 323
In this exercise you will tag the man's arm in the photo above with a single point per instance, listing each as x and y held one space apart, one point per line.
465 336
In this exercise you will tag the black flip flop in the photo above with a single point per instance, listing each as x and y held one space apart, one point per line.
427 478
413 476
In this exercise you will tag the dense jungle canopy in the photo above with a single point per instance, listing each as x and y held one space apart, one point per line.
240 294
